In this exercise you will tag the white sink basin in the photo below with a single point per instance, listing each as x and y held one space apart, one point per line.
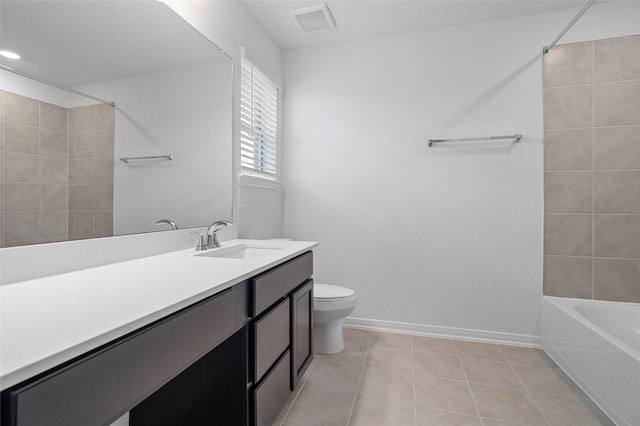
243 251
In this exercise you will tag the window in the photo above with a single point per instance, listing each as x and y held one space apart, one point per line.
258 123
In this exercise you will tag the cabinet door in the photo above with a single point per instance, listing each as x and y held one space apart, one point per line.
301 331
99 387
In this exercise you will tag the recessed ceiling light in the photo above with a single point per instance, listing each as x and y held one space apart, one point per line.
9 54
314 18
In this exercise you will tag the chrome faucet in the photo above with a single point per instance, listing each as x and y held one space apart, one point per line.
212 237
171 223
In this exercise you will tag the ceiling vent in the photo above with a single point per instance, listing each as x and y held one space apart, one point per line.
314 18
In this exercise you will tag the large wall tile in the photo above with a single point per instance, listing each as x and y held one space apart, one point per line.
617 279
568 149
104 196
20 138
104 223
21 167
568 107
568 192
53 170
104 143
617 236
53 224
104 170
20 196
568 234
85 171
53 144
568 276
617 104
84 197
53 197
53 117
104 117
21 109
21 225
84 221
617 59
617 148
617 192
569 65
85 145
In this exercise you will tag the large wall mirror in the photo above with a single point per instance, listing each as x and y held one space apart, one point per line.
144 83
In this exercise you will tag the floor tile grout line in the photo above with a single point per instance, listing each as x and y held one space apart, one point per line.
526 389
364 363
302 385
473 398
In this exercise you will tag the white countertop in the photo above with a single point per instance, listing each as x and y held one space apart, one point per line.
47 321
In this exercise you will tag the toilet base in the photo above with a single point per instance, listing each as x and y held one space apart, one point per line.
327 337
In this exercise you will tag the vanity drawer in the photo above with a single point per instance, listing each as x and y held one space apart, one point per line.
271 286
101 386
271 335
271 395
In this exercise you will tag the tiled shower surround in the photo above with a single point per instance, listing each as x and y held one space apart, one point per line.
56 171
592 170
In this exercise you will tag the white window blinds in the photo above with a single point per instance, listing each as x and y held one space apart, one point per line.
258 123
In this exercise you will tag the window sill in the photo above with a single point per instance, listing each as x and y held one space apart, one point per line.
258 182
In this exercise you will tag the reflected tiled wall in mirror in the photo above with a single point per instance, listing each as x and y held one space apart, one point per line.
592 170
56 171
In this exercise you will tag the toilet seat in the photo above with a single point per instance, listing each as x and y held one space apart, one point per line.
331 293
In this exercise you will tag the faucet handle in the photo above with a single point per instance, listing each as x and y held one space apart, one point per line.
202 242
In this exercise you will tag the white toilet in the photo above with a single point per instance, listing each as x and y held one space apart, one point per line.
331 303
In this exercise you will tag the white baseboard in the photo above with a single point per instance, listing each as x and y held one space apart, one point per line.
485 336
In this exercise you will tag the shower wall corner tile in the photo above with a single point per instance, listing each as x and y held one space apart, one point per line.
53 170
53 144
568 234
568 107
617 236
617 280
568 276
53 117
569 65
568 149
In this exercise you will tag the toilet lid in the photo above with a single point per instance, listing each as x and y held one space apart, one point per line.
331 292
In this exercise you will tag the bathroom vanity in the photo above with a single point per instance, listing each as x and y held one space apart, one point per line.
217 337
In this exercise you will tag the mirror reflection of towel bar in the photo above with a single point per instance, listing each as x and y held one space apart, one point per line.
516 138
152 157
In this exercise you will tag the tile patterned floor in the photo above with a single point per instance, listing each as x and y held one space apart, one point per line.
387 379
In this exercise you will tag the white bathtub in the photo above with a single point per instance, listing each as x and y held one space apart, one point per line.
598 345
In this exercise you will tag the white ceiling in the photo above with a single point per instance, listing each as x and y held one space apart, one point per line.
361 19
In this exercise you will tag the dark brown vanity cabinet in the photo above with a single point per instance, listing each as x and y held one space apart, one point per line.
230 359
98 387
281 330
